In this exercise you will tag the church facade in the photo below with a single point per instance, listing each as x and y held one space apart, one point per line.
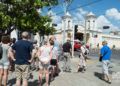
87 32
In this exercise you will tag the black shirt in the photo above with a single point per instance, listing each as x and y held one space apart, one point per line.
66 47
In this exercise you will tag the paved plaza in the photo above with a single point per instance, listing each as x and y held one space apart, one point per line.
74 78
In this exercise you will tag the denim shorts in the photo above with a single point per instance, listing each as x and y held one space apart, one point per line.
4 65
44 66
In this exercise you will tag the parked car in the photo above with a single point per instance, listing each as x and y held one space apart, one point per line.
77 45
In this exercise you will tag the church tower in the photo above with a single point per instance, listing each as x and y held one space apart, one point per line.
67 25
91 22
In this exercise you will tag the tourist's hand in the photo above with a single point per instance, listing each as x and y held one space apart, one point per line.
46 62
30 61
14 59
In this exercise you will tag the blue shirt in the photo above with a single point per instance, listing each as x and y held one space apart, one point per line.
56 44
105 52
22 48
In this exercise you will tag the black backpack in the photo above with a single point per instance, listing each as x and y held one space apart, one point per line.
85 52
1 51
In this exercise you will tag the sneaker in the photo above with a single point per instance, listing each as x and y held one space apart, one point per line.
79 69
31 76
109 82
51 79
84 69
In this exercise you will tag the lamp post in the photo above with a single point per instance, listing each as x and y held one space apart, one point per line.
66 4
64 28
73 35
85 31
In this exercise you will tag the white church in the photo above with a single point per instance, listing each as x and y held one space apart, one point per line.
93 37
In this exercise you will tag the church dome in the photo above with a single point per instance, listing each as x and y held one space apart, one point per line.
90 15
68 14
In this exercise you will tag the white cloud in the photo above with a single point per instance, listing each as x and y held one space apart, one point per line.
55 18
103 21
113 13
83 12
114 28
78 16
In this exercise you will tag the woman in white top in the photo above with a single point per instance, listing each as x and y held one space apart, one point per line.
4 61
44 54
82 64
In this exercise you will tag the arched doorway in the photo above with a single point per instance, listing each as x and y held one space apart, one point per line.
79 36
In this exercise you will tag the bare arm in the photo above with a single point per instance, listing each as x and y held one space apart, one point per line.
50 54
11 54
32 56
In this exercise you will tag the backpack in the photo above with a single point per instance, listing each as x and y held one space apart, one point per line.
85 53
1 51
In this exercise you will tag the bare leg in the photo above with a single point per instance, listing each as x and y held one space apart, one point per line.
18 82
57 69
52 73
47 77
5 77
40 77
1 74
25 82
78 68
108 78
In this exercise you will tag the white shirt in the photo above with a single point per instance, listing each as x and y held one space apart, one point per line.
45 53
54 53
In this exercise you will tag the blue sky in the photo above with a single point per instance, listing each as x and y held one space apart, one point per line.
98 6
107 10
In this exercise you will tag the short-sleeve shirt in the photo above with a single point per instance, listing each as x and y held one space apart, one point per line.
5 53
23 49
66 47
45 53
54 53
105 52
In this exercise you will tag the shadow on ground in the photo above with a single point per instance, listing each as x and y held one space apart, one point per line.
11 82
33 83
98 75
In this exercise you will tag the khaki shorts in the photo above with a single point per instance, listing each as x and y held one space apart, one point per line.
105 66
22 71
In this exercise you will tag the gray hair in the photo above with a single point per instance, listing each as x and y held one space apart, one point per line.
25 35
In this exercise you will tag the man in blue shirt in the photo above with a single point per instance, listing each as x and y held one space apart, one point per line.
22 49
105 52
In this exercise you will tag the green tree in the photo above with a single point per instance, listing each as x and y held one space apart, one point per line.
23 14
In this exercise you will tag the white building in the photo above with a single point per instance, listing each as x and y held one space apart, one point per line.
93 37
66 30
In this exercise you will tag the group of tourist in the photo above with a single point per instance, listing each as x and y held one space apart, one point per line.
22 53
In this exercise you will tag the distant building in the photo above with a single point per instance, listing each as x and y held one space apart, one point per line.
93 37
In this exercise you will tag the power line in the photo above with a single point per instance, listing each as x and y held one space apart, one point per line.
84 5
90 3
